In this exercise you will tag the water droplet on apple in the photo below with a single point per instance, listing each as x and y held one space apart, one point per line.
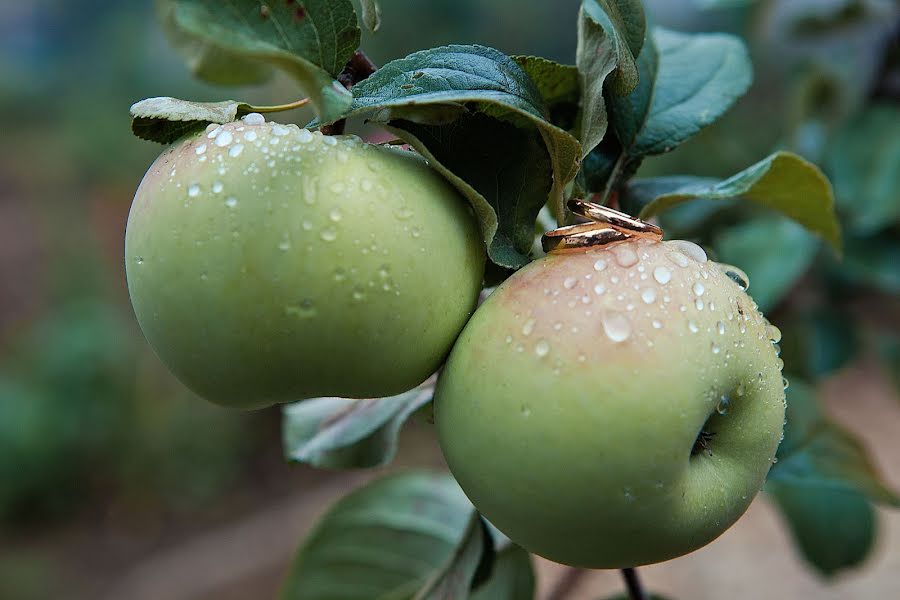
625 256
662 275
648 295
569 283
542 348
616 326
600 265
699 289
528 327
193 190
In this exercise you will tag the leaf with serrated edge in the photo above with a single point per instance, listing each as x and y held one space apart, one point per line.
371 14
783 182
311 42
473 553
384 540
165 119
557 85
468 78
344 433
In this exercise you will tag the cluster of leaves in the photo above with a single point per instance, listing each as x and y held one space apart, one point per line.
547 131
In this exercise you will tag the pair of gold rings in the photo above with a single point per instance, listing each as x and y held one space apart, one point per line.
604 226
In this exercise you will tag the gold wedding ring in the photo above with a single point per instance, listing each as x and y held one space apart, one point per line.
605 226
580 237
615 219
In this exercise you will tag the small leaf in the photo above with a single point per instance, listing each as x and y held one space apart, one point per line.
311 41
446 97
774 252
686 82
371 14
864 164
384 540
345 433
783 181
613 28
557 85
833 528
165 120
474 553
821 482
512 577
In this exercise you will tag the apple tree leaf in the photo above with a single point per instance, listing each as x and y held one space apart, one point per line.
818 342
208 61
871 262
387 539
774 252
471 561
864 165
823 482
311 41
511 578
442 101
686 82
165 120
557 85
610 37
347 433
782 181
371 14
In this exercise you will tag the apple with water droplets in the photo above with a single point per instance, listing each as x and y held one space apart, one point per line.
615 407
268 263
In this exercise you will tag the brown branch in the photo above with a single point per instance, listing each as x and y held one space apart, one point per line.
358 68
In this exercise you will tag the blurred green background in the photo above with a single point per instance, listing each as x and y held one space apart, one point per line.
104 458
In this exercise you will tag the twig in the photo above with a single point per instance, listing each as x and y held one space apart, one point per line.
358 68
635 590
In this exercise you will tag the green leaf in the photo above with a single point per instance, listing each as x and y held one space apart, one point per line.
833 528
557 85
823 482
818 342
512 577
773 252
783 181
385 540
371 14
345 433
165 120
687 81
872 262
453 104
207 61
311 41
611 29
818 454
864 164
474 554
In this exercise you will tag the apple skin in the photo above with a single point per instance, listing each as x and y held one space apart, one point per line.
269 264
569 416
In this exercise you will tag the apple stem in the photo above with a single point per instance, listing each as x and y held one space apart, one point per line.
357 68
635 590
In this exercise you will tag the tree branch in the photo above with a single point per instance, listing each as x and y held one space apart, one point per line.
635 590
358 68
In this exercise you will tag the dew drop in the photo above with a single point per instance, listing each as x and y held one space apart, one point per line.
194 190
359 294
139 260
335 214
699 289
224 138
201 149
720 327
785 382
306 309
625 256
280 130
250 136
662 275
715 348
542 348
329 140
679 259
699 304
254 119
648 295
689 249
616 326
284 245
528 327
657 324
693 327
328 235
774 333
236 150
723 405
217 187
569 283
600 265
599 289
231 202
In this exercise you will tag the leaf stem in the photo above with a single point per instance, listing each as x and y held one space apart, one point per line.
613 176
281 107
635 590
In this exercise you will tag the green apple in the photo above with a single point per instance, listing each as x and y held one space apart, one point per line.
267 263
616 407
